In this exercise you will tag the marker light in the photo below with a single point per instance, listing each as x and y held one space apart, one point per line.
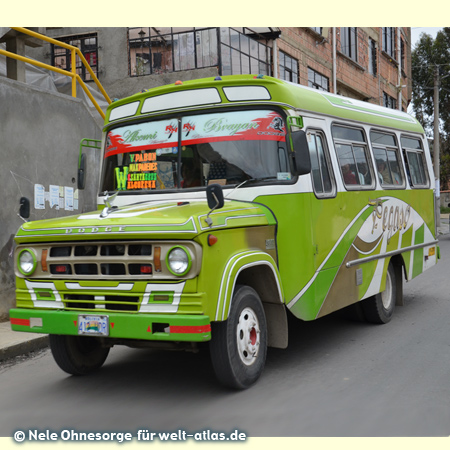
211 240
146 269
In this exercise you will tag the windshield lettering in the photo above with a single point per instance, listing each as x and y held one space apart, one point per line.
227 148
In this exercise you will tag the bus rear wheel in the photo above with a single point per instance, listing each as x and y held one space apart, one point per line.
239 344
78 355
380 308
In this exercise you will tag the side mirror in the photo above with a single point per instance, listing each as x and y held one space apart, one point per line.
301 152
214 195
81 182
24 211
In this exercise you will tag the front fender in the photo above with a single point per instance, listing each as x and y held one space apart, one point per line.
235 265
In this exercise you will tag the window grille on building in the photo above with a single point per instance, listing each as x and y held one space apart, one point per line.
389 102
154 50
87 43
288 68
349 42
372 57
389 41
242 54
318 81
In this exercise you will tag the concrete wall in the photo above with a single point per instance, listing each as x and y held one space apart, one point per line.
40 133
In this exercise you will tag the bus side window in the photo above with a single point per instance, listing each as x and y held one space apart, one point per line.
351 150
387 159
415 161
323 182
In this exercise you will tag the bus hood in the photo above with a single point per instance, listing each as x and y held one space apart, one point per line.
149 220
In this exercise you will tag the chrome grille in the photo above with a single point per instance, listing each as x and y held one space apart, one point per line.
119 259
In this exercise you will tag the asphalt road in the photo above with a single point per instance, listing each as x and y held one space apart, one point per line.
337 378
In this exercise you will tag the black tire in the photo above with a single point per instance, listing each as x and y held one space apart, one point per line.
239 345
379 308
78 355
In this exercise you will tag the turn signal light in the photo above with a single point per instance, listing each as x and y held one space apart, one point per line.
157 259
44 260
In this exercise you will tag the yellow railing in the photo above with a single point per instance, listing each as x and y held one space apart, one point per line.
74 51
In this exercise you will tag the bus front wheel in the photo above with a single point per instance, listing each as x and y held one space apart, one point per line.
379 308
78 355
239 344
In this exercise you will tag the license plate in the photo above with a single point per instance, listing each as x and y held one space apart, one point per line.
93 325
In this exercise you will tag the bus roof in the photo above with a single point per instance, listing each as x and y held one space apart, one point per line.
251 89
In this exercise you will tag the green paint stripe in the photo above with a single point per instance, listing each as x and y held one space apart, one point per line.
418 254
338 255
308 306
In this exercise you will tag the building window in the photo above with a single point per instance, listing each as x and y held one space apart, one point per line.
402 53
389 41
87 43
372 57
389 102
155 50
348 42
288 68
318 30
318 81
241 54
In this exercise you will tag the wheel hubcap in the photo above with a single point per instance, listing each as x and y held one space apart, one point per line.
386 295
248 336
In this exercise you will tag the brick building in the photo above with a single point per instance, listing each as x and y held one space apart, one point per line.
370 64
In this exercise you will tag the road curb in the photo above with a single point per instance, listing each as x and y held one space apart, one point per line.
22 348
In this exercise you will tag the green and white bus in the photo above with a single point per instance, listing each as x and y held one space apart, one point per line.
223 203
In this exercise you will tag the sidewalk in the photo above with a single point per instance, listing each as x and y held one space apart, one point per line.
14 343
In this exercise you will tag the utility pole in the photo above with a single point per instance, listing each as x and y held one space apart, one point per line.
436 147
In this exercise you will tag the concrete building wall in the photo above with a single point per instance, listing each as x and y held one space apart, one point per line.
40 134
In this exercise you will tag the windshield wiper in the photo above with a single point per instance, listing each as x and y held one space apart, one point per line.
252 180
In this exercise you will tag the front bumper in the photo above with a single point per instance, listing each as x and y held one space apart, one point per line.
150 327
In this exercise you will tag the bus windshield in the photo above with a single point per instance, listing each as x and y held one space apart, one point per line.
223 147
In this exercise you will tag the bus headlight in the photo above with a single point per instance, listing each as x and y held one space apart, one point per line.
178 261
26 262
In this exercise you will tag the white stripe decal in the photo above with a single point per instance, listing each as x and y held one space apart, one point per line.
223 278
120 286
32 285
256 263
175 289
229 269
